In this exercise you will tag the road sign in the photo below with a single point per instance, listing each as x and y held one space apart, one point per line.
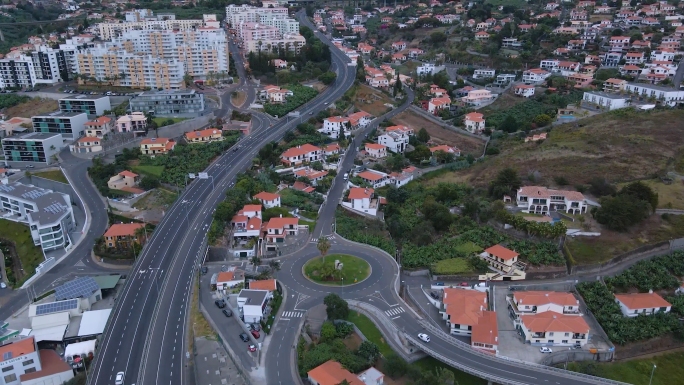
203 175
191 175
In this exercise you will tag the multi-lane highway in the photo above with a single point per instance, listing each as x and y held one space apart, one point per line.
146 337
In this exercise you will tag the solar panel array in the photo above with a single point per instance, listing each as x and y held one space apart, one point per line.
79 287
6 188
33 194
54 307
55 208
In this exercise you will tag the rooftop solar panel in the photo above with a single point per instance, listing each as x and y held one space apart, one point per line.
78 288
55 307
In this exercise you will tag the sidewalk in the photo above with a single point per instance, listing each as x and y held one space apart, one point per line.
212 366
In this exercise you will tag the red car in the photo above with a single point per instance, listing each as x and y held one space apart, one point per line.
465 284
252 348
255 334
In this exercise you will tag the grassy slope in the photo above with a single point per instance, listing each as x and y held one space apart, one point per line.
29 255
55 175
669 369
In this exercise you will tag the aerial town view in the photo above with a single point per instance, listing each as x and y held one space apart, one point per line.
367 192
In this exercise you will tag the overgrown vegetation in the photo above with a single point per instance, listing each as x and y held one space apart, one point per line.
359 229
16 241
10 100
300 95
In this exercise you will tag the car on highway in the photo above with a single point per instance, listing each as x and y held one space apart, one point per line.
439 284
255 334
227 313
252 348
220 303
545 350
424 337
118 380
244 337
3 285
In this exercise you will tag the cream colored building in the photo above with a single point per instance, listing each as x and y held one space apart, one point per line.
133 122
112 30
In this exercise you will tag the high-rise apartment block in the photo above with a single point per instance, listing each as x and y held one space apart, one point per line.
144 19
265 28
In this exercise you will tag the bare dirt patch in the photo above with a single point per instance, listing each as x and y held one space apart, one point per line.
35 106
439 135
353 341
238 98
372 101
503 102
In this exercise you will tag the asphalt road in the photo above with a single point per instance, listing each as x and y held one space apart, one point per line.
146 336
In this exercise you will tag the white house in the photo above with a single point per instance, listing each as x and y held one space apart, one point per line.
534 302
649 303
437 104
360 119
428 69
268 199
535 76
605 100
305 153
333 125
662 55
484 73
474 122
375 150
252 303
227 280
541 200
524 90
553 329
361 199
374 178
669 96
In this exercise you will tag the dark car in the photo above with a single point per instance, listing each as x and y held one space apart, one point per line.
204 270
244 337
227 313
256 327
255 334
434 295
220 303
439 284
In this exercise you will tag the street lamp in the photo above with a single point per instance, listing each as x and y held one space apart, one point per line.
652 370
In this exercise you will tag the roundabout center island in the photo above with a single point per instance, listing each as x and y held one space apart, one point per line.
336 270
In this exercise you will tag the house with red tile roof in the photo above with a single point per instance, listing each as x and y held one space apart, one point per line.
314 176
277 229
524 90
376 150
303 187
263 284
227 280
499 257
635 304
447 149
361 199
541 200
268 199
474 122
156 146
331 149
305 153
204 136
99 127
534 302
549 328
52 369
332 373
122 234
123 179
86 144
466 313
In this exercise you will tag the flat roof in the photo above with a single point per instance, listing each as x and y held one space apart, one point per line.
94 322
85 97
51 206
254 297
653 87
54 333
168 92
79 348
606 95
34 136
60 114
107 281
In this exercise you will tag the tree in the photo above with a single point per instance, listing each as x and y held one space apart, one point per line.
323 245
423 135
542 120
187 79
397 86
620 212
328 331
509 124
600 187
360 70
369 351
274 266
255 261
642 192
335 307
149 182
395 366
328 77
506 181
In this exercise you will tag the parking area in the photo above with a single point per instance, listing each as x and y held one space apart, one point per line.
512 344
230 327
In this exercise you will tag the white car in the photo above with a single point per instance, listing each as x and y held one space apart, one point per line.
545 350
2 285
119 378
424 337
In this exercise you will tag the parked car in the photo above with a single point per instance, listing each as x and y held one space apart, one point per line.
424 337
3 285
220 303
255 326
119 379
434 295
465 284
255 334
244 337
30 166
545 350
252 348
205 270
439 284
227 313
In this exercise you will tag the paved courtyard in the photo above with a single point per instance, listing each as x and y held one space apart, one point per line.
213 366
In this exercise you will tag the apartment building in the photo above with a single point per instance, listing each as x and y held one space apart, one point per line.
87 144
167 22
130 69
605 100
541 200
666 95
91 105
258 37
48 214
34 147
376 150
19 358
49 65
535 76
154 146
265 27
374 178
484 73
272 16
99 127
17 73
71 48
134 122
171 103
71 125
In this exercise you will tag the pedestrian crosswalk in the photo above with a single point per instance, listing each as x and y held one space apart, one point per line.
395 311
292 314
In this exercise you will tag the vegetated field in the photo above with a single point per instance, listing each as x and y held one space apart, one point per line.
55 175
670 196
159 198
516 3
461 378
300 95
669 367
372 101
503 102
354 269
148 170
35 106
452 266
161 121
363 230
621 146
467 144
29 255
370 331
408 67
239 98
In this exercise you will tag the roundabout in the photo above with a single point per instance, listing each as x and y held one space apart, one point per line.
336 270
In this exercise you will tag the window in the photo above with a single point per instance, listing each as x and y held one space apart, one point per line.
567 334
10 378
27 362
565 341
550 334
30 370
7 368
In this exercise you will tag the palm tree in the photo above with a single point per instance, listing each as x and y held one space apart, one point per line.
274 266
141 234
255 261
122 76
323 246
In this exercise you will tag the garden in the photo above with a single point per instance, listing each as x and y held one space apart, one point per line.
300 95
323 269
16 243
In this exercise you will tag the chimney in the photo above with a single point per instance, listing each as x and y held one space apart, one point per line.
281 215
650 291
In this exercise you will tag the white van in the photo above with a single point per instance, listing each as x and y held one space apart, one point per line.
346 176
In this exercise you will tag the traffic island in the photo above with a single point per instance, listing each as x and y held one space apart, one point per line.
337 270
